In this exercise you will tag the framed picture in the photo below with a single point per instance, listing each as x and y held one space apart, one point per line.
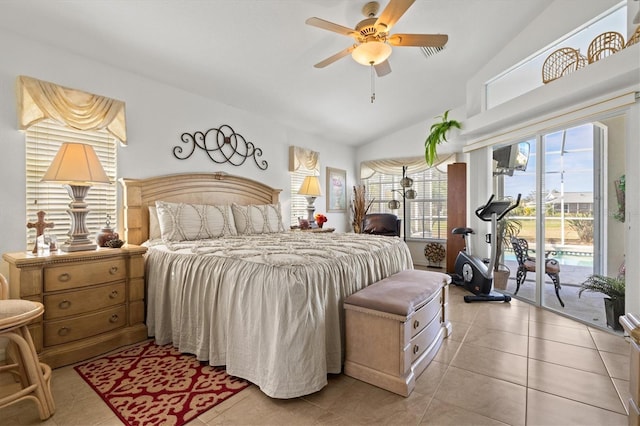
336 190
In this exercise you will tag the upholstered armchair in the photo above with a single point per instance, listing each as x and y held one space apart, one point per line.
381 224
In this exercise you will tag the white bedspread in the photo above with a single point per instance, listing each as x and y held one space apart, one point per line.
269 307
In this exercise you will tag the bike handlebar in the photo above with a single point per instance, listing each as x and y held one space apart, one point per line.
482 210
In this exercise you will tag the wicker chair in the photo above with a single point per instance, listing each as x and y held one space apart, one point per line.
528 264
606 44
562 62
635 38
22 360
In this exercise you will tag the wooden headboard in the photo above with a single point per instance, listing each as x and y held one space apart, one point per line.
193 188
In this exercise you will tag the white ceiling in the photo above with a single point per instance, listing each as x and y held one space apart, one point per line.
258 55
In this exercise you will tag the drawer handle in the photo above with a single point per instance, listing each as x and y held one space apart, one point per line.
64 277
416 324
113 294
64 331
113 270
65 304
113 319
416 348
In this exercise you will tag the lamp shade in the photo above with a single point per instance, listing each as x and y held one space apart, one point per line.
310 187
371 53
76 163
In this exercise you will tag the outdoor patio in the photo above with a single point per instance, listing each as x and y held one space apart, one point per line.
589 307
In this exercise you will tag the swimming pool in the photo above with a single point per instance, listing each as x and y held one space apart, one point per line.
564 258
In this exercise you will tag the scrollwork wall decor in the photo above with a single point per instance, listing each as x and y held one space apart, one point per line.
222 145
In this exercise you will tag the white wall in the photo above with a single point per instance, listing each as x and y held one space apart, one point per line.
561 17
156 117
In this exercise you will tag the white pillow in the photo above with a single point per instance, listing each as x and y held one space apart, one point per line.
187 222
154 224
257 219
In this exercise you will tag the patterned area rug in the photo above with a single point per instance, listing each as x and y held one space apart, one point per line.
149 384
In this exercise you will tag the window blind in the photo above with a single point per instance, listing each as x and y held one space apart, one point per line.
42 143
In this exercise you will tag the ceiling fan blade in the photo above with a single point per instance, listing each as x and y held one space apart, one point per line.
427 40
326 25
332 59
382 69
390 15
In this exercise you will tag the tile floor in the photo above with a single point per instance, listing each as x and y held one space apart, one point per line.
504 364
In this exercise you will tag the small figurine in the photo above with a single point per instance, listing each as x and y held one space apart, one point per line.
40 225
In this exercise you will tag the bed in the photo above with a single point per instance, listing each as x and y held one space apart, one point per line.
265 302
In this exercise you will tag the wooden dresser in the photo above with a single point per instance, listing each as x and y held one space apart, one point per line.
94 300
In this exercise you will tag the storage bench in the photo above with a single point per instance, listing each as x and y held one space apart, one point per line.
395 327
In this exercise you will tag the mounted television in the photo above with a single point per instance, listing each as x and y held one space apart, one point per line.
510 158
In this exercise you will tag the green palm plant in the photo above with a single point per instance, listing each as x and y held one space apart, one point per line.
437 135
610 287
613 288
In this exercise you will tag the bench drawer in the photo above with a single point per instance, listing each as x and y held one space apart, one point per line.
423 316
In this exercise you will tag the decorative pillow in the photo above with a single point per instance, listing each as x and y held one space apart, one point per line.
154 224
257 219
187 222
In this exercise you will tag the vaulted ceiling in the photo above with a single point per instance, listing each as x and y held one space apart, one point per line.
258 55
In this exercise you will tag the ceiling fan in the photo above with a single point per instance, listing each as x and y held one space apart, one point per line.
373 42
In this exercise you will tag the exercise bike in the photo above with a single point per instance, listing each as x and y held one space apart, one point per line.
475 273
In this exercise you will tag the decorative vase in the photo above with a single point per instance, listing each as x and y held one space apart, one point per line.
320 224
105 235
303 223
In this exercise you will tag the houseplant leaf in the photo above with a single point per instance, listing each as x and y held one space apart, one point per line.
437 135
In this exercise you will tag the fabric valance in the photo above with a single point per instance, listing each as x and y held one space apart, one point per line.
303 157
394 166
39 100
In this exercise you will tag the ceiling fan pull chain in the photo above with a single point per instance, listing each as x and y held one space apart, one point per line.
373 84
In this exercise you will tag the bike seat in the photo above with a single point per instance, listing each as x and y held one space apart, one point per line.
462 231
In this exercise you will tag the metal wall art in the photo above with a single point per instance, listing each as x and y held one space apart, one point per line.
222 145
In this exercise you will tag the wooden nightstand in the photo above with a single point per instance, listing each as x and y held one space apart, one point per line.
94 300
319 230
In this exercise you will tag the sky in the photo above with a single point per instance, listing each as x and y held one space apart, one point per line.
569 169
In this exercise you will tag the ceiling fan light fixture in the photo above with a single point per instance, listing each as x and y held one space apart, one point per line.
371 53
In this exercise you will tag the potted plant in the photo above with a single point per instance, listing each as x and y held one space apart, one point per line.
613 288
506 229
437 135
359 207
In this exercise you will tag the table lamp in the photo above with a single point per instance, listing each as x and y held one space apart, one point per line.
310 188
77 166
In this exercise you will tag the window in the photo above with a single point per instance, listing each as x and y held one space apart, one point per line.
525 76
42 143
426 214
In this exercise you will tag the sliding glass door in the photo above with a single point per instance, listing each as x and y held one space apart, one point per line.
559 235
570 211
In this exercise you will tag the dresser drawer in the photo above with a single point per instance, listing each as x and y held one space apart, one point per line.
82 301
73 275
79 327
422 317
421 342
